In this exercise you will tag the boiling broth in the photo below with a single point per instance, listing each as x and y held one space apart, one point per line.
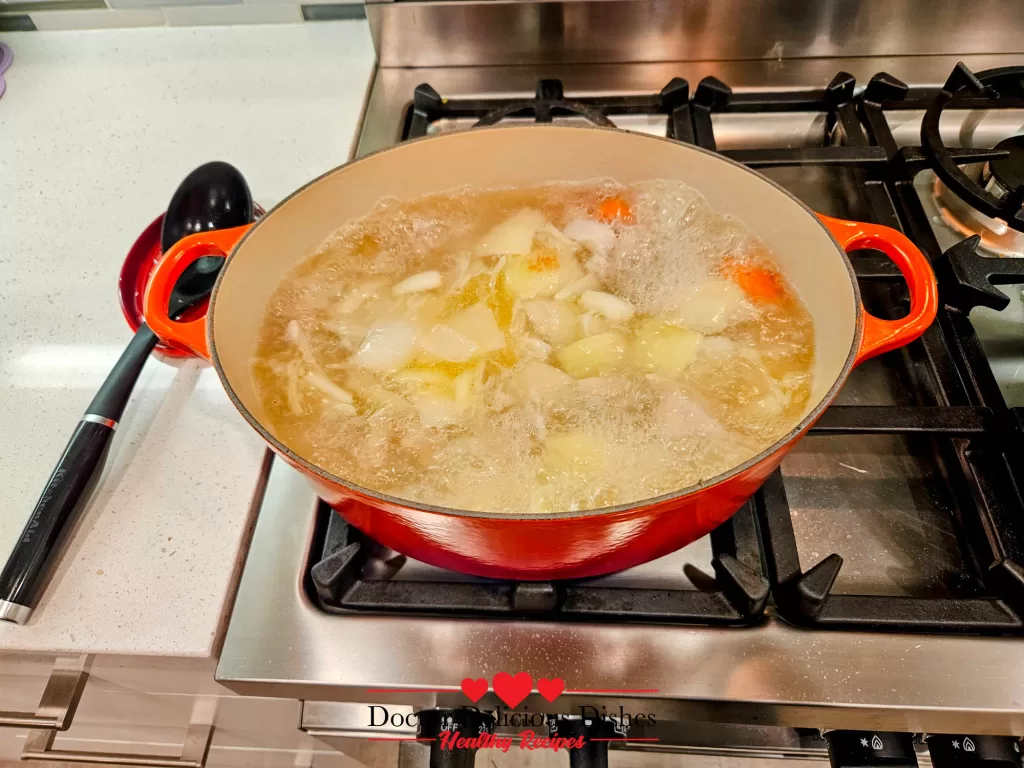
558 348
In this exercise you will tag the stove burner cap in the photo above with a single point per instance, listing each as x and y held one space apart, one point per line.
1009 171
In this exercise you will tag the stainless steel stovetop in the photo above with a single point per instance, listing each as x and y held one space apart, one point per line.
876 499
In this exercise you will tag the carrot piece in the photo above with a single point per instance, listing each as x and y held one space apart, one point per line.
615 208
761 284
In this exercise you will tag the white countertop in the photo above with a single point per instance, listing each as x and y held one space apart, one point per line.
96 130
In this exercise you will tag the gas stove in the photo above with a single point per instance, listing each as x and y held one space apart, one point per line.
875 583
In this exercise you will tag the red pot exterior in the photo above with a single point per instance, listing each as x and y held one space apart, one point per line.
567 547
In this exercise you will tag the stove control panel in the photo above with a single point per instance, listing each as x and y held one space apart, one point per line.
970 751
871 749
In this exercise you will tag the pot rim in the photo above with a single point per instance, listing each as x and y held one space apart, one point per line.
738 469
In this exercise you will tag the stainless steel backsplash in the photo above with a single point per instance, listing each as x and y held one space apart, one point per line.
502 32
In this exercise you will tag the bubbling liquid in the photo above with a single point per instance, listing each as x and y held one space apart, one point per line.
558 348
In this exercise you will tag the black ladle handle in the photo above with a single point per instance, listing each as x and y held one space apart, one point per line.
35 553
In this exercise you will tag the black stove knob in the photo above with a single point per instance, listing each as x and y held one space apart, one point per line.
595 732
868 749
969 751
448 730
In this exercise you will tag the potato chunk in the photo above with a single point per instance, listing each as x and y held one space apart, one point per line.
513 235
658 347
541 272
537 381
477 323
554 321
593 356
580 454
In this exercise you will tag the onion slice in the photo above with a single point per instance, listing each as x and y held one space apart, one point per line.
387 347
445 343
577 287
531 347
607 304
424 281
298 338
712 307
292 389
436 412
329 388
600 238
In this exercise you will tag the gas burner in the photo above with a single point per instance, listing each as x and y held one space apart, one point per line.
998 193
996 236
998 178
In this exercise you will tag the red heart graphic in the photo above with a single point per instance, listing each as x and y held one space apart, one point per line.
550 689
474 689
512 689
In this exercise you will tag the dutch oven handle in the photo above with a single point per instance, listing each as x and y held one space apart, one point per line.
885 335
189 335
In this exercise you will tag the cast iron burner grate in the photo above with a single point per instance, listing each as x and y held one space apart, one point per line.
549 102
354 574
958 408
1003 87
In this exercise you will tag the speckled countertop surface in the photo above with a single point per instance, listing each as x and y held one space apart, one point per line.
96 130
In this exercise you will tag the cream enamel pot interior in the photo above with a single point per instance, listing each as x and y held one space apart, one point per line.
808 248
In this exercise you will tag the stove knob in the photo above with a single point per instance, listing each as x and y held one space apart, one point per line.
863 749
444 727
961 751
593 754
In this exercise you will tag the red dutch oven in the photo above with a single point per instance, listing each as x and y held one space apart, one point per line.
810 250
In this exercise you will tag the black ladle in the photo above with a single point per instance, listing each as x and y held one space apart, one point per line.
214 196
